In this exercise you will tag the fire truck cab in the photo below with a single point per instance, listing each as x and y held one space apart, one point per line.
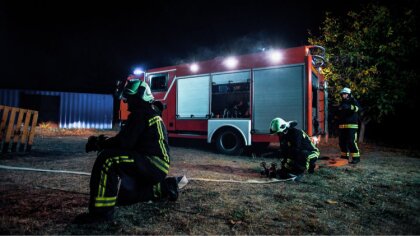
230 101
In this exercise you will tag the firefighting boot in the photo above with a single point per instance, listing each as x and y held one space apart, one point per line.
355 161
94 218
311 169
284 174
170 188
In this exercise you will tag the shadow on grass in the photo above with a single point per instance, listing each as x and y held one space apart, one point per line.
199 144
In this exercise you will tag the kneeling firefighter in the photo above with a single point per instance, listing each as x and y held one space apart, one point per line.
132 166
298 152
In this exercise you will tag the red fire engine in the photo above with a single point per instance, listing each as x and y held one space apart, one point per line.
231 101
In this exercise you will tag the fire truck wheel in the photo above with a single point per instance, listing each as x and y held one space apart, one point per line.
230 142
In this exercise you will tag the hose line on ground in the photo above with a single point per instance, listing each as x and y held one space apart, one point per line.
249 181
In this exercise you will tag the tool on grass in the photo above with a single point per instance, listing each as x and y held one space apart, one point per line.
269 172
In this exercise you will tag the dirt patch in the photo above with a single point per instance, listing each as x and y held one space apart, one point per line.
378 196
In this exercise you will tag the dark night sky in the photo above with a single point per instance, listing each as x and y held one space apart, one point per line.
85 47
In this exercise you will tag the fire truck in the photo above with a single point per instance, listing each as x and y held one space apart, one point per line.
230 101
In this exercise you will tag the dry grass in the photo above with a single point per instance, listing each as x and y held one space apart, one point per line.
48 129
379 196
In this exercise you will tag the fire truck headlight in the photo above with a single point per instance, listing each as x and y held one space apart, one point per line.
194 67
275 56
231 62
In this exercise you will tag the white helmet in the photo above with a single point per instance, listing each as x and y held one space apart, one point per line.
345 90
278 125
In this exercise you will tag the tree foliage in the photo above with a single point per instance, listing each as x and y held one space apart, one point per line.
371 51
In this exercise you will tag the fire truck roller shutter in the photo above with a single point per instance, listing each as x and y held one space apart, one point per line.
193 97
278 92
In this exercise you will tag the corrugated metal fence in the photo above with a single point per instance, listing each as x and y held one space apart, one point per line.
69 110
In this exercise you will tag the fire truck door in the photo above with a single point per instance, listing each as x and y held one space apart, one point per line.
278 92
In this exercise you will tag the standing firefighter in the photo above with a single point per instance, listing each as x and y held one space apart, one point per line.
296 148
348 119
132 166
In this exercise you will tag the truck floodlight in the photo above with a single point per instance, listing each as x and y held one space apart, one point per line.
194 67
138 71
275 56
231 62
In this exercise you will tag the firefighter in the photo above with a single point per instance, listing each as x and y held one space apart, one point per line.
298 152
132 166
348 119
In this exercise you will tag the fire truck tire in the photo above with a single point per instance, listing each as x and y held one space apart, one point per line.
229 142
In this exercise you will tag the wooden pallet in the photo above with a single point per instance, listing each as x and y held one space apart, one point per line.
17 126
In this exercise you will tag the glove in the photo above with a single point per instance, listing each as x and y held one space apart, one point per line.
283 163
95 143
92 144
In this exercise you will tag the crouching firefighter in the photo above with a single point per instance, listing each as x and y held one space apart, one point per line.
298 152
132 166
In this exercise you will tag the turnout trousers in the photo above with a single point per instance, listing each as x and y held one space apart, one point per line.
123 178
305 161
348 141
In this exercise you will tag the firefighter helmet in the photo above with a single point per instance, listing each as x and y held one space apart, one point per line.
278 125
345 90
136 87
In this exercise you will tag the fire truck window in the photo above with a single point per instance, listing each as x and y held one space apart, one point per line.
231 95
158 83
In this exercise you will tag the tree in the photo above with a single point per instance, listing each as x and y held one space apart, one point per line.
371 52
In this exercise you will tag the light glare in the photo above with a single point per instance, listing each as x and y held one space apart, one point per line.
138 71
231 62
194 67
275 56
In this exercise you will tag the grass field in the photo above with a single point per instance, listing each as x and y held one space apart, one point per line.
381 195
